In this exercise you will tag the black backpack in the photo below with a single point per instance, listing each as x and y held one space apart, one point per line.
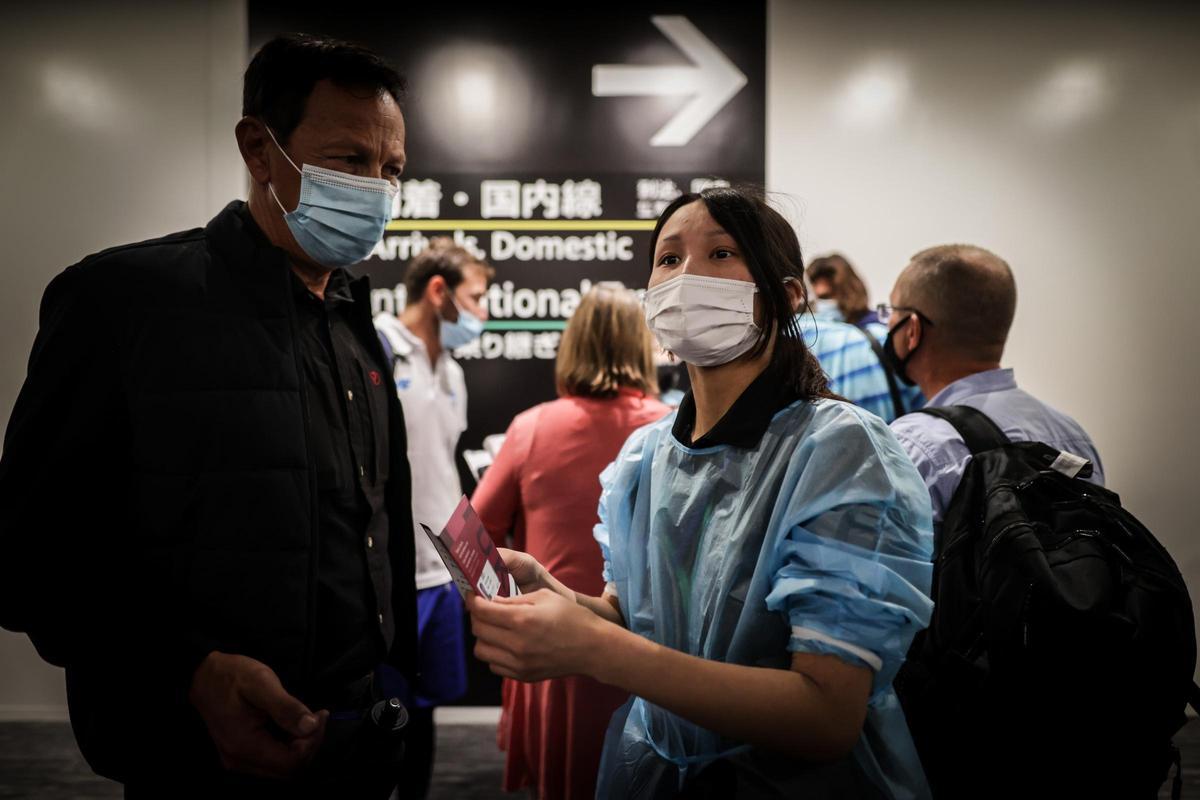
1060 655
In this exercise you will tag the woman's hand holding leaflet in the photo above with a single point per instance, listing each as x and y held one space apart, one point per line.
813 710
535 636
531 575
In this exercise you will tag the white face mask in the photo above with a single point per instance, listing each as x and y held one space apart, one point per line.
703 321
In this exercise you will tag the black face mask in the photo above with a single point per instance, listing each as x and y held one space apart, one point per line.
897 364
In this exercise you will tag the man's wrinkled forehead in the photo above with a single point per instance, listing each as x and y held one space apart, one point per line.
333 112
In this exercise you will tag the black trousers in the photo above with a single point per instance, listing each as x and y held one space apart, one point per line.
420 740
221 785
354 762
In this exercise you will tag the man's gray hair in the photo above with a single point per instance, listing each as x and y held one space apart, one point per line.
969 294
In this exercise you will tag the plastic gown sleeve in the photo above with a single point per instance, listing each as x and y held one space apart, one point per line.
855 559
618 490
600 533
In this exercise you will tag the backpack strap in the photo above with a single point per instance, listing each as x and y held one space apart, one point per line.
893 387
975 427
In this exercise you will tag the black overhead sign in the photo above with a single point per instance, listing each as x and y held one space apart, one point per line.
548 142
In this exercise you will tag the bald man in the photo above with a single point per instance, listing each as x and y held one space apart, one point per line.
948 321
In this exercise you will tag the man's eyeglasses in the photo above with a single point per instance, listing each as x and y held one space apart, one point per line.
885 312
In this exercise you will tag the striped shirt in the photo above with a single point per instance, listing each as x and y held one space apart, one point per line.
852 366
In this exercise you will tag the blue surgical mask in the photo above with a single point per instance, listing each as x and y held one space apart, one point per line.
340 217
466 329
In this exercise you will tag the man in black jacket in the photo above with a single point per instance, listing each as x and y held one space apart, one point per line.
204 492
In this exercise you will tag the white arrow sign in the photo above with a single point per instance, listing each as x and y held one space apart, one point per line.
713 80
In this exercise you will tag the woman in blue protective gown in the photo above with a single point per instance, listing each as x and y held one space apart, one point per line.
767 550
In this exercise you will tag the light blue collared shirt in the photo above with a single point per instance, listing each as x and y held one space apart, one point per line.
940 454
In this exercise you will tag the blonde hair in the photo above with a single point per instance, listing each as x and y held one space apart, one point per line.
606 346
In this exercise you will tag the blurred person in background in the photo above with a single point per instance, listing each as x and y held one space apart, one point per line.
543 491
444 286
847 338
767 550
835 285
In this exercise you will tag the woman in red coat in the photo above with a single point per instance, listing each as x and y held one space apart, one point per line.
543 490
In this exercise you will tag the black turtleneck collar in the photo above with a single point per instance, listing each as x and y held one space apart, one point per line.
744 424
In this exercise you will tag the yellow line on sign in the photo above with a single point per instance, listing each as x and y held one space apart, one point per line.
521 225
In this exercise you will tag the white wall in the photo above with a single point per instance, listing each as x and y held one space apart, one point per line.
117 126
1067 141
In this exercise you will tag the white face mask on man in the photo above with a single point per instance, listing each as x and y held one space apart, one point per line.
703 321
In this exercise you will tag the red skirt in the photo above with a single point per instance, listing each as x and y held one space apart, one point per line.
553 732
